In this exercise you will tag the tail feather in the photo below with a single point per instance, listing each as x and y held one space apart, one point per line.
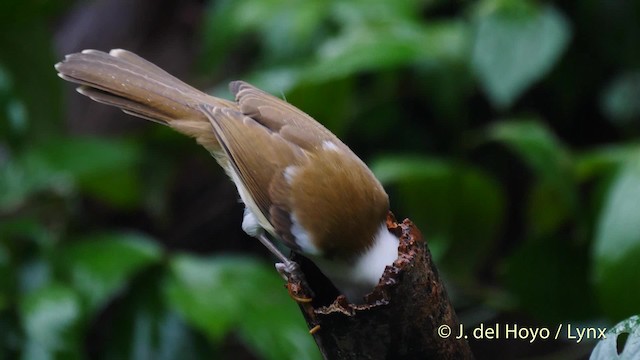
125 80
128 106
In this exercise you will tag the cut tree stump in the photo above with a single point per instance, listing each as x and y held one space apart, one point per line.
405 317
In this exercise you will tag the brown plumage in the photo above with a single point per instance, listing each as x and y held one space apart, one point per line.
290 170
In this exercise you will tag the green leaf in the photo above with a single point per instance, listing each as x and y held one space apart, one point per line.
368 13
286 28
536 145
601 161
19 181
221 294
458 208
277 334
621 99
607 348
617 244
103 168
551 162
391 169
515 46
373 48
197 289
51 318
100 265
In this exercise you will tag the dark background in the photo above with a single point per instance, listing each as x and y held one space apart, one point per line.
507 130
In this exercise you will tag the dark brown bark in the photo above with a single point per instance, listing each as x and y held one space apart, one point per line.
401 318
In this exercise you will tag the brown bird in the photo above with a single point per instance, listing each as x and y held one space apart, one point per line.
298 181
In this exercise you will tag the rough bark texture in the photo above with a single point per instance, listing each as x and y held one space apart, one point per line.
402 314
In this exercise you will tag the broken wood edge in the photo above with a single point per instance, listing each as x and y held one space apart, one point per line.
406 316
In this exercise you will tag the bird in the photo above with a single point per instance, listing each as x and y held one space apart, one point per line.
300 185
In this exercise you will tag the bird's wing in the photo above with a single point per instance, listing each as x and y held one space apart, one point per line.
277 115
258 158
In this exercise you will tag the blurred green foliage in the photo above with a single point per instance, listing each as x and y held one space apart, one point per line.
469 113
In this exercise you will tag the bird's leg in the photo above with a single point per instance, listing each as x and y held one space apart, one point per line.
252 227
285 266
289 270
297 285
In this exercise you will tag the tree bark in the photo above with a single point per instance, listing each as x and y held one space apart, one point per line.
406 316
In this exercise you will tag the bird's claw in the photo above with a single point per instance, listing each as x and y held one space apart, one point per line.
296 282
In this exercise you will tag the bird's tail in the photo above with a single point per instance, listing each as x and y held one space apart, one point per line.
123 79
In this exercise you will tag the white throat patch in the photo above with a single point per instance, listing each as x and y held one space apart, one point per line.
384 251
358 278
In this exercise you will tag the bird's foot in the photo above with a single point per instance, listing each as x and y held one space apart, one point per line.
296 282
